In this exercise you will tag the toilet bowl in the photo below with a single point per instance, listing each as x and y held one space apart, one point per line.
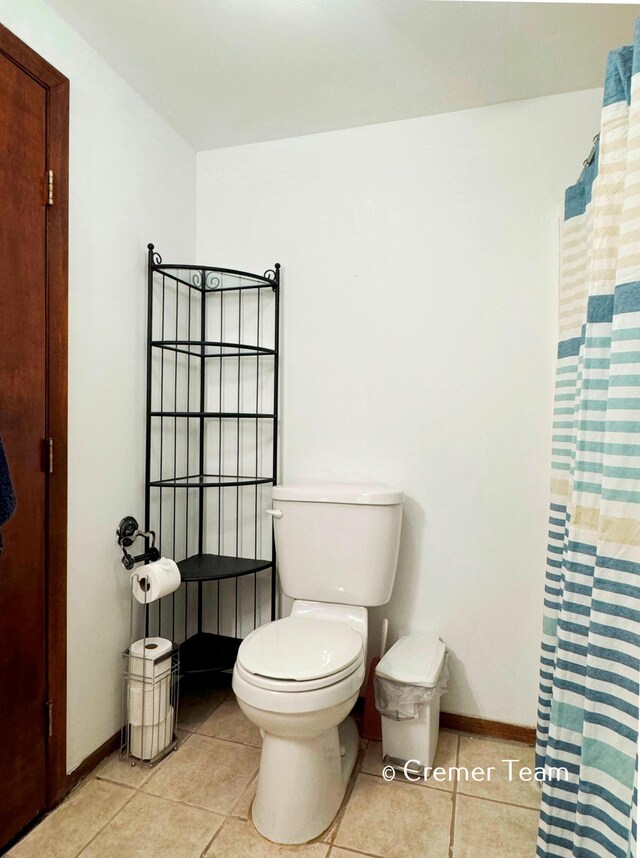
308 750
298 678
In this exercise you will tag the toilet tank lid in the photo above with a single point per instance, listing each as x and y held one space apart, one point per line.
356 493
415 659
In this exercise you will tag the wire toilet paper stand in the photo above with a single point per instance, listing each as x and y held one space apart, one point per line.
150 686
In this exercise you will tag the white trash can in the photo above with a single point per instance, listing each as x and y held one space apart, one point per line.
409 682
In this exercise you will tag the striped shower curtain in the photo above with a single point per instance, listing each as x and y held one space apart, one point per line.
588 705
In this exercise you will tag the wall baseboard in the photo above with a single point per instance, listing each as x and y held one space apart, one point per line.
88 765
492 729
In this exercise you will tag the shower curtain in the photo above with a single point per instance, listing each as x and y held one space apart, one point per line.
590 662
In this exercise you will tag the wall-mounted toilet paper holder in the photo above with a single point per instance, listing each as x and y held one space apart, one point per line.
127 533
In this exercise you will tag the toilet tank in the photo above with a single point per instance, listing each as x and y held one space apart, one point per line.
337 542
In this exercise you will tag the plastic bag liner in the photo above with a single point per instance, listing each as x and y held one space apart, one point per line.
401 702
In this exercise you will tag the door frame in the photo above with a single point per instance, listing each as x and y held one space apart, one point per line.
56 86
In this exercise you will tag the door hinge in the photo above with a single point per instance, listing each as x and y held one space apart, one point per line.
49 455
49 187
49 709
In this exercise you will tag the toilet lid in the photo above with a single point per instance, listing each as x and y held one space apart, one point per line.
300 648
288 686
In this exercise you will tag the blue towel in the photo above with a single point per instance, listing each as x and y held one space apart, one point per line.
7 494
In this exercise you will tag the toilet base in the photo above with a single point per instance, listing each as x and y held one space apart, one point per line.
302 782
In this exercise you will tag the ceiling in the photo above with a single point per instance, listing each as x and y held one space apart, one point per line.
227 72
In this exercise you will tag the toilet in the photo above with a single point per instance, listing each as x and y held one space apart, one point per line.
298 678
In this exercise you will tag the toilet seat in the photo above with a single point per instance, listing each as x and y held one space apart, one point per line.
312 700
295 686
300 653
299 665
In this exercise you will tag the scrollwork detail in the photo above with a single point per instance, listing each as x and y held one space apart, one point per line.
272 274
154 256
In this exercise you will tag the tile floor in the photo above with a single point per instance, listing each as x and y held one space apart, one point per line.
196 803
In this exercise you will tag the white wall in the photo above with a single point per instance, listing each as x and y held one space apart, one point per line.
419 327
132 181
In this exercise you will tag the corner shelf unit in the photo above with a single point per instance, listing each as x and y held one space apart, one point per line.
212 452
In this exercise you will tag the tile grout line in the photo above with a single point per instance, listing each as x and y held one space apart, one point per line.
107 823
222 739
116 783
182 803
454 798
230 741
228 815
215 835
352 851
355 774
499 801
253 781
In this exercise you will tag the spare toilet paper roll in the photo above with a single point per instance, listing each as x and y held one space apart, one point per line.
145 658
148 702
149 683
155 580
147 742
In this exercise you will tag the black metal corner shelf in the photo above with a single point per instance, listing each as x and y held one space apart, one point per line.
204 481
205 652
225 415
211 452
213 567
206 348
214 279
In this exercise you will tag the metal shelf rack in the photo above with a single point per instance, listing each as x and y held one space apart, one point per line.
212 452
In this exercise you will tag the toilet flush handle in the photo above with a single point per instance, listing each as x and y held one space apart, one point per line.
274 513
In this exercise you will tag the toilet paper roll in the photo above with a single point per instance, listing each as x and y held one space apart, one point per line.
155 580
145 659
148 703
149 683
148 741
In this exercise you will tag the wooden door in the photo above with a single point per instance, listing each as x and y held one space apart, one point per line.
25 426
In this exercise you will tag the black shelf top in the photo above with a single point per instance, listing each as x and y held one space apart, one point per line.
213 567
212 349
235 415
206 652
196 481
